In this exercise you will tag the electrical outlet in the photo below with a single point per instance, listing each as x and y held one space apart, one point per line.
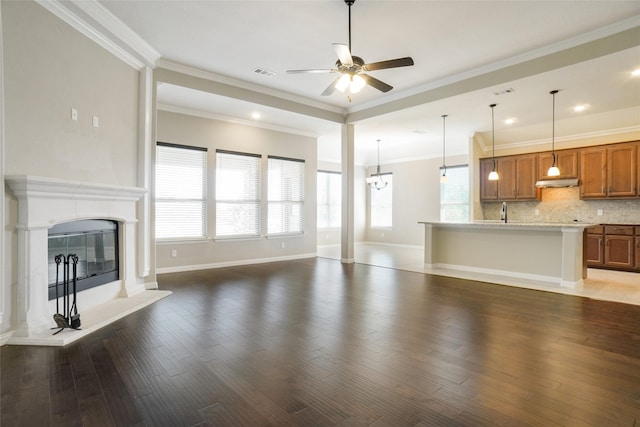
537 212
282 245
96 122
600 212
74 114
174 253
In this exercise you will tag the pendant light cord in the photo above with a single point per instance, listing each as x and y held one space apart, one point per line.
444 119
553 127
493 137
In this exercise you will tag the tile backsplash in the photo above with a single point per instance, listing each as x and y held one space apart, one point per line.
564 205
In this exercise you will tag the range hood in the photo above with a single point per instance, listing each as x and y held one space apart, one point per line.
557 183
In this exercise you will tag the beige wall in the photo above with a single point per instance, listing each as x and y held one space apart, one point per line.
50 68
216 134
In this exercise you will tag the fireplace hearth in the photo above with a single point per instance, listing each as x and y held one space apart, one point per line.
50 205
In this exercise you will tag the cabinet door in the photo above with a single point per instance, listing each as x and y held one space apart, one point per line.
488 189
566 160
507 189
594 251
619 251
593 173
526 172
621 170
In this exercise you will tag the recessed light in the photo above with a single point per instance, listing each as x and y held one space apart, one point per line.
255 115
510 121
580 107
636 73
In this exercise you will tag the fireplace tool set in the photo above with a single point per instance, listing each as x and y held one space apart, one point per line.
69 319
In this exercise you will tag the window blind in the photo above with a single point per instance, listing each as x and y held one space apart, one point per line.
329 199
237 194
285 210
181 191
382 204
454 195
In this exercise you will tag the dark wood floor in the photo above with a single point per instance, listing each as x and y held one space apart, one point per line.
318 343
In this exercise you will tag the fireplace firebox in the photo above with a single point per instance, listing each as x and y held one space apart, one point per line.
95 242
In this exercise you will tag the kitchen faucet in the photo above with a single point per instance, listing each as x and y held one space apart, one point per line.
503 212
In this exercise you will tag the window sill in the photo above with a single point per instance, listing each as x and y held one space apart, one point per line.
285 235
183 241
236 239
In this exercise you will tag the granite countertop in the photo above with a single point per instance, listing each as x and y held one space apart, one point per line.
511 224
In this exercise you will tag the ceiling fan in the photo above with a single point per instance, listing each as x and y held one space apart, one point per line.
353 67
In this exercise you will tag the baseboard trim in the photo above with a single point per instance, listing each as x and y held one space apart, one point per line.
235 263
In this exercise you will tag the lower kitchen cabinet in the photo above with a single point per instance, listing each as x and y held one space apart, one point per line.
612 246
594 246
619 251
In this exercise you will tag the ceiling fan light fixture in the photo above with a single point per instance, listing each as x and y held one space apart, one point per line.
343 82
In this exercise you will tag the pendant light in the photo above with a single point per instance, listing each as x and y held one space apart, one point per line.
376 181
553 170
493 175
443 178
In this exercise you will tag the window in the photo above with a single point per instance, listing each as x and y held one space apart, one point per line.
286 195
237 194
329 199
180 191
454 195
382 204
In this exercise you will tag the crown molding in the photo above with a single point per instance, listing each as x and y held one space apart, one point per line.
119 39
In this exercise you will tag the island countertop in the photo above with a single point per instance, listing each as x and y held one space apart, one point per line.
510 224
550 253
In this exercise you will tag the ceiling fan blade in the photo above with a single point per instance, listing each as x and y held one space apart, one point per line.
342 51
317 71
392 63
375 83
331 88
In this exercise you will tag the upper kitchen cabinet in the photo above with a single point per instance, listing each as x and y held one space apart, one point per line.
566 161
517 178
609 171
488 189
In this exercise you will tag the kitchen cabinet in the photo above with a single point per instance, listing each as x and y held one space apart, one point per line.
612 246
517 178
619 246
507 184
526 176
566 160
488 189
609 171
593 172
621 170
594 246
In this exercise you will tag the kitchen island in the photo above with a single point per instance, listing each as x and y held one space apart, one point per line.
549 253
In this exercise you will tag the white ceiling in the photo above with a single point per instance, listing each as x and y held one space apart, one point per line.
464 52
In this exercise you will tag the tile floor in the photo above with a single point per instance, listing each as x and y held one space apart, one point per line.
600 284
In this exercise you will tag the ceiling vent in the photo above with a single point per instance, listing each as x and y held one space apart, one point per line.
504 92
264 72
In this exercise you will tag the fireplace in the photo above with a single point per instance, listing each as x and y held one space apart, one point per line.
47 207
95 242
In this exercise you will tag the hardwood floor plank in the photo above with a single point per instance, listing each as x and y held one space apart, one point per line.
314 342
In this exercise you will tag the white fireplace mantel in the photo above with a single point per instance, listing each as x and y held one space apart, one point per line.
44 202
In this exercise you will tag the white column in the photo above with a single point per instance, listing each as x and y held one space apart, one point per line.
348 196
31 309
144 171
572 257
130 285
